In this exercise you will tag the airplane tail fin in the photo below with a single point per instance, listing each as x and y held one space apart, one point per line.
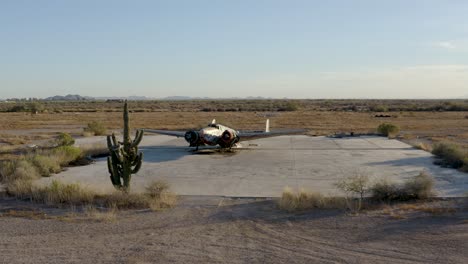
267 126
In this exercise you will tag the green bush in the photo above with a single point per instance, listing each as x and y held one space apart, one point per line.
64 139
17 108
388 130
450 155
289 106
97 128
66 154
379 108
36 107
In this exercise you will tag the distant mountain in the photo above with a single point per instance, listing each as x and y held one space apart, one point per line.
182 98
68 97
76 97
130 98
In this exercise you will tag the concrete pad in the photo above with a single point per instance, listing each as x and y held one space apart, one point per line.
263 167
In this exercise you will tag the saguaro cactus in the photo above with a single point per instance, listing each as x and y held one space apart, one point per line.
124 159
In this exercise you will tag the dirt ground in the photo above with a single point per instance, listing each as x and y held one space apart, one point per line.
217 230
21 129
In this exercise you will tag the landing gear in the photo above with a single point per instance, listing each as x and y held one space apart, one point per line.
233 142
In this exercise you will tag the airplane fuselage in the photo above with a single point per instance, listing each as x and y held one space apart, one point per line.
214 134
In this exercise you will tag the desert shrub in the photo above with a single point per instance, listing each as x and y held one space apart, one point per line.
64 139
386 191
290 106
379 108
450 155
357 184
17 177
97 128
388 130
418 187
25 170
20 188
36 107
17 108
66 154
299 201
7 168
45 164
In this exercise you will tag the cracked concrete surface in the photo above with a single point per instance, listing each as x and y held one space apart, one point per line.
264 167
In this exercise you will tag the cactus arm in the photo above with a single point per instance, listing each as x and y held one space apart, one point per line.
139 161
116 156
109 143
109 166
138 158
138 138
114 140
114 172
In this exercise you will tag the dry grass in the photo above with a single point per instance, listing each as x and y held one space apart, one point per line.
101 215
402 211
28 214
421 124
90 213
160 197
423 146
292 201
58 193
93 150
156 197
87 134
123 200
21 188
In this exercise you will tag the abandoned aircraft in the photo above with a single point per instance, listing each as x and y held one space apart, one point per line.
215 134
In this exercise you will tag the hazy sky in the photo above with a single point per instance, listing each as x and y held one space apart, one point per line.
296 49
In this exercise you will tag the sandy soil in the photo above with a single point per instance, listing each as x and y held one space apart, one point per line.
234 231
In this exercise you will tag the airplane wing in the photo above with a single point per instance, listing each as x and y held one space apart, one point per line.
268 133
261 134
166 132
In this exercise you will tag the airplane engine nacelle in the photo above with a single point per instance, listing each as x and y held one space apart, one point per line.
192 137
227 136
